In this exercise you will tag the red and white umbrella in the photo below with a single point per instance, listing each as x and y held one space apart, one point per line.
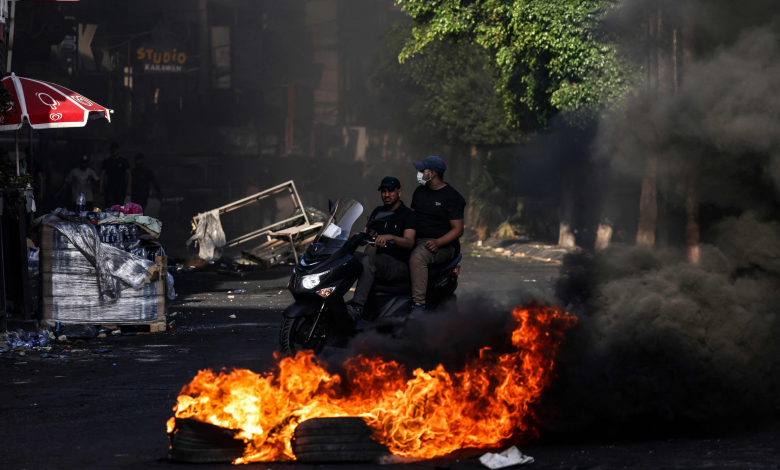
47 105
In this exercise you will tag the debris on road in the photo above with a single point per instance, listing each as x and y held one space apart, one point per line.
240 291
78 331
232 316
27 339
509 457
209 235
521 249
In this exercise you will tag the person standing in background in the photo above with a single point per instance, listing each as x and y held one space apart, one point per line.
80 180
115 178
142 182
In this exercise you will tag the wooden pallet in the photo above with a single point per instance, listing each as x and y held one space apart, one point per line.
276 251
139 328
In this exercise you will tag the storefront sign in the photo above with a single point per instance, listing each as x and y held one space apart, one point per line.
156 59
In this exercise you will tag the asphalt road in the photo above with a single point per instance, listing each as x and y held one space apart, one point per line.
101 411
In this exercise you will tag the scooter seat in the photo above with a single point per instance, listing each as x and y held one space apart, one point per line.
402 287
405 286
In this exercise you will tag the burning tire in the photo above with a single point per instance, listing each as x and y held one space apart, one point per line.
195 441
299 331
336 440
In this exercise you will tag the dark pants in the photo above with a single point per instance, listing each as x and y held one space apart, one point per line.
384 268
418 265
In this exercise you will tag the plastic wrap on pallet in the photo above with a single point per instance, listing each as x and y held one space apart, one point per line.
170 291
89 309
67 285
115 269
209 236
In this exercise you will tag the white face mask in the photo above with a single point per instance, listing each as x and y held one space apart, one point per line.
420 178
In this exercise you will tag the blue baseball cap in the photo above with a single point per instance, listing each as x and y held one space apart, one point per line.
431 163
390 183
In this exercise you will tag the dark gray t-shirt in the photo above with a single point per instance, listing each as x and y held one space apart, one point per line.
403 219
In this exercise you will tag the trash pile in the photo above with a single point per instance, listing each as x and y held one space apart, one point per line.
21 339
54 343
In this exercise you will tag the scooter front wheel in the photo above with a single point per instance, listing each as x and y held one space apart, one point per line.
299 331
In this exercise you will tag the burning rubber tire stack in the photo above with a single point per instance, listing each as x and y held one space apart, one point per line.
336 440
198 442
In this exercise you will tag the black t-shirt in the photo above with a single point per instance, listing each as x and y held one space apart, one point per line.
435 210
116 172
403 219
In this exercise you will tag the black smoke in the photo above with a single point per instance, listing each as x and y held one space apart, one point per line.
450 335
667 346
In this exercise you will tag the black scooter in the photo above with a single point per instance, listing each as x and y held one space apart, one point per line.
327 271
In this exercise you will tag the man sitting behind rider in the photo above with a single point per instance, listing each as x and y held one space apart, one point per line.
391 261
439 210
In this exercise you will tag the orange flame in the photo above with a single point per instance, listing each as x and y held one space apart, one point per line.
433 413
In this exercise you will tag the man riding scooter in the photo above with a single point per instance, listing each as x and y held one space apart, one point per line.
394 243
439 210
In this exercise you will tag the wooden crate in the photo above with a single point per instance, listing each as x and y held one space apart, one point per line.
64 270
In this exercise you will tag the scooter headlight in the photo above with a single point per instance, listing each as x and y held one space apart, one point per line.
313 280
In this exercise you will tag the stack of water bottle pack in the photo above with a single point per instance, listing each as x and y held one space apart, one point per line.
71 286
126 237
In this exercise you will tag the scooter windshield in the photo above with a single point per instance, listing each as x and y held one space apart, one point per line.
339 225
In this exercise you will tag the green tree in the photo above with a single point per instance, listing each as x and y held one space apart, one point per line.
445 95
448 95
549 56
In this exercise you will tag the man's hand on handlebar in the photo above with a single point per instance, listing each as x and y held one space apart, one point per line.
383 240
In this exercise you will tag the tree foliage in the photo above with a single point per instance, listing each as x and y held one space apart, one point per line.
550 55
445 94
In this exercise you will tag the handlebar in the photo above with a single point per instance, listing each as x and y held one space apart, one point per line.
371 239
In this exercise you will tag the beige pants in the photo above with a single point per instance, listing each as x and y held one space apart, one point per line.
419 261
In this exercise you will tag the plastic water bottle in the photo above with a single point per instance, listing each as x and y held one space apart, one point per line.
124 237
81 201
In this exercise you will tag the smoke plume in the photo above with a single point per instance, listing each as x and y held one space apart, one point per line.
665 344
450 336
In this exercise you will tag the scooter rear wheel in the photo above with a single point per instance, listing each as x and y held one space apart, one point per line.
297 331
